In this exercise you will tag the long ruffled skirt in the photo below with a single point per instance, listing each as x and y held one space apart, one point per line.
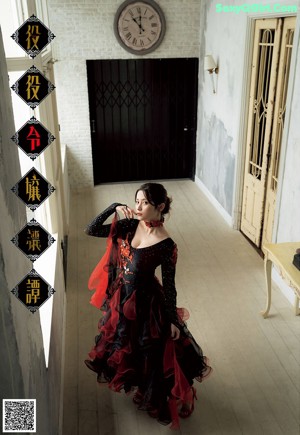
134 349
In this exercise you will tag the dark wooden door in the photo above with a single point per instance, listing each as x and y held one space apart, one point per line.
143 116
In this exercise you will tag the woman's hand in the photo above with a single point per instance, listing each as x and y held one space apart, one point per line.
126 211
175 333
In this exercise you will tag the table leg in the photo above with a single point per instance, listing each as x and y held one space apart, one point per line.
268 270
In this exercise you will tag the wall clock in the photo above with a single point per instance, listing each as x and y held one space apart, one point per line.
139 26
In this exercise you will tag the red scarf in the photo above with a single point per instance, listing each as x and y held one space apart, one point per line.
99 277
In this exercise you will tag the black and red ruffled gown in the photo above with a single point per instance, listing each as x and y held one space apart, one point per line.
134 347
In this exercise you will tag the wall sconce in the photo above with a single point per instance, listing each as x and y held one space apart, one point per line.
211 66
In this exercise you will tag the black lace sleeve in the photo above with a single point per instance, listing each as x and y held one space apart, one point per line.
168 268
96 227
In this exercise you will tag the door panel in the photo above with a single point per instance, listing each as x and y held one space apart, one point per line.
262 93
143 118
278 125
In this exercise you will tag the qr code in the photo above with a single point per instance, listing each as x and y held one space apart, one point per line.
19 415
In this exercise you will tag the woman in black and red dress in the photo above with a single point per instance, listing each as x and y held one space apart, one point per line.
143 342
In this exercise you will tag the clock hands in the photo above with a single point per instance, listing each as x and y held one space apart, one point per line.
139 24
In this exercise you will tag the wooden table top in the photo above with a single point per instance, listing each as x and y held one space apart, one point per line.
283 254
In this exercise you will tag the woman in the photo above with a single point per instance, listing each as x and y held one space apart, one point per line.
143 341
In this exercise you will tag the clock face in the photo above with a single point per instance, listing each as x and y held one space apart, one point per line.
139 26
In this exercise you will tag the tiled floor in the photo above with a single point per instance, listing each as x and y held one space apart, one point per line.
255 385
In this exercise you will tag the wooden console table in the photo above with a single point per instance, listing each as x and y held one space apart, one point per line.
282 254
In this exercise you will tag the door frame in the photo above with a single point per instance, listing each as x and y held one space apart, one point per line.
244 107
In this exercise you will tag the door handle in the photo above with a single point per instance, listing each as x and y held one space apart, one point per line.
93 126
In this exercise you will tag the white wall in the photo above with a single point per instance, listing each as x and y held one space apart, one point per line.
84 30
288 213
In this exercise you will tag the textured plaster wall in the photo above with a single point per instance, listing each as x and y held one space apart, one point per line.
84 30
218 115
217 161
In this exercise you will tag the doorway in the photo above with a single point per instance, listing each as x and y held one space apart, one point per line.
143 118
273 41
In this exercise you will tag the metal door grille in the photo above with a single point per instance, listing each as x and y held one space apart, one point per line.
119 94
279 122
260 104
143 117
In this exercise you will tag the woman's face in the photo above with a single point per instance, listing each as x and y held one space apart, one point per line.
144 210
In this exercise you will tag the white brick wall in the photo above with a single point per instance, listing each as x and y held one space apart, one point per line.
84 30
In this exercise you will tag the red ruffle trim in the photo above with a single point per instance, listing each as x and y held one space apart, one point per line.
181 386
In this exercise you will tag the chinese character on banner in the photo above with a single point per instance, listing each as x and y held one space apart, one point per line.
33 240
33 87
33 189
33 138
33 36
33 291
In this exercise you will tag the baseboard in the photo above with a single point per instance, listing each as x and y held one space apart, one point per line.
225 215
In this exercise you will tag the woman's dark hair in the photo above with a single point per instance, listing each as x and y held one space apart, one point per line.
156 194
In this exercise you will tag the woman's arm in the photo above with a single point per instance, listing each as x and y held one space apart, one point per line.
96 227
168 269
